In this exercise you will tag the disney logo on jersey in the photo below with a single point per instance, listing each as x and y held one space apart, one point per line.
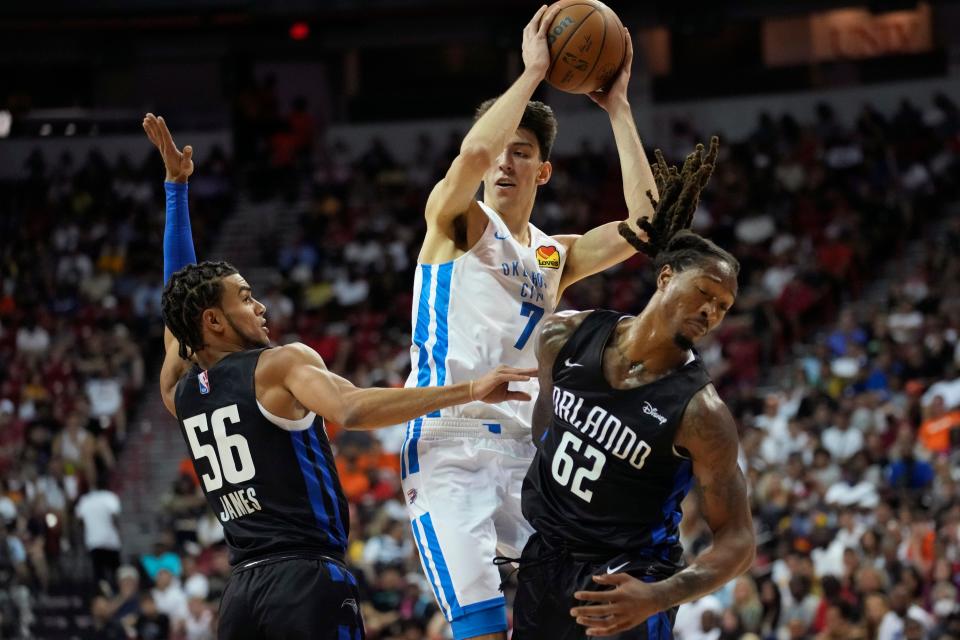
203 379
548 257
651 410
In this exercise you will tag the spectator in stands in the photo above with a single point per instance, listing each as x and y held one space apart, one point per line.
99 512
104 627
151 623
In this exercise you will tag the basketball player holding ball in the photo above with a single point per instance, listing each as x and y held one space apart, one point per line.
485 278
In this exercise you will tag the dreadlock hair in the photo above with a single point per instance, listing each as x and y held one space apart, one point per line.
679 196
537 117
189 291
687 249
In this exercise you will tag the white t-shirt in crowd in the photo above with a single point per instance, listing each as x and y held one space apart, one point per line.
688 622
97 509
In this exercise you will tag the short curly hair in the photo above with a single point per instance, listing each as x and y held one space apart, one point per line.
189 291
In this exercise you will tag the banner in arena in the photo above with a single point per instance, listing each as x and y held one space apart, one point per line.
846 34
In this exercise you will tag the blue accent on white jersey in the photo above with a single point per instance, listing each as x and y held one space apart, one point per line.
478 311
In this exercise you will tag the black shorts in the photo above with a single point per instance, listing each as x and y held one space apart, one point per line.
291 598
541 610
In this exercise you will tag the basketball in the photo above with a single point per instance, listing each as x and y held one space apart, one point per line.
587 46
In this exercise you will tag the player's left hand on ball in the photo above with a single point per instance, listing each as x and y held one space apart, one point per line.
628 604
494 387
618 89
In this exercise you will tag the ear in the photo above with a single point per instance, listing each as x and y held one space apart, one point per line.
663 278
543 176
212 320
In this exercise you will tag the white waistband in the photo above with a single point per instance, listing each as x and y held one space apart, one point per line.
436 428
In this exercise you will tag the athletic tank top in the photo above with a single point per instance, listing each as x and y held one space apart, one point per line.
606 477
481 310
274 490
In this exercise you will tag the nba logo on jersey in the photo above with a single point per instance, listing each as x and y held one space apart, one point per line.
548 257
204 383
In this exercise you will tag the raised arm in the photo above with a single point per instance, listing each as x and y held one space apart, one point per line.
302 373
554 333
709 434
454 194
602 247
178 248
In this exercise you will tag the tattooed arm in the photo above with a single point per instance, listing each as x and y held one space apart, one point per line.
709 434
554 333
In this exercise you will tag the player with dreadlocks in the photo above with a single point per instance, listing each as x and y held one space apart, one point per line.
252 416
626 419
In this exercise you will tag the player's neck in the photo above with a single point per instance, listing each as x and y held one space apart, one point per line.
516 217
211 355
643 340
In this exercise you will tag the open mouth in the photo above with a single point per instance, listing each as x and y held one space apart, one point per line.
505 184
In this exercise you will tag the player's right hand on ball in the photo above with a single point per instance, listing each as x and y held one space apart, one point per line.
179 164
494 386
536 53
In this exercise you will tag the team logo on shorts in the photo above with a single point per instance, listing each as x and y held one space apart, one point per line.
204 381
352 605
412 495
548 257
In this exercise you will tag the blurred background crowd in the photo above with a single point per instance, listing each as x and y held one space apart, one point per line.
840 361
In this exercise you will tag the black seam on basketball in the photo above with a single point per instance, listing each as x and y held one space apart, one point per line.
603 41
575 29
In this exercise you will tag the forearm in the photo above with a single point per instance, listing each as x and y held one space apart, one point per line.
637 174
178 248
501 120
376 408
729 557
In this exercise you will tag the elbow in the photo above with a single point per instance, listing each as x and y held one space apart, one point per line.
748 551
349 420
356 418
476 155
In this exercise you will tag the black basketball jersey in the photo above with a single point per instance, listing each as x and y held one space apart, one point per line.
274 490
606 477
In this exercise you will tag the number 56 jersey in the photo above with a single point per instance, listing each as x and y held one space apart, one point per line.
481 310
271 481
606 476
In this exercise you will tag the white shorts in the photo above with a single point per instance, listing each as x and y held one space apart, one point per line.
462 480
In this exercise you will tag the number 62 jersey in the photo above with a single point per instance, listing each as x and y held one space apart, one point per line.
607 476
271 481
481 310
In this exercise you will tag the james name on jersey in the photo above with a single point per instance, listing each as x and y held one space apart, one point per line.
238 504
605 429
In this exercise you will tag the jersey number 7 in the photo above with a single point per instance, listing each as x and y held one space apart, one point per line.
534 313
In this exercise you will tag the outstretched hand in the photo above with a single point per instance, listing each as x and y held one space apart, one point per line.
626 605
494 386
179 164
616 93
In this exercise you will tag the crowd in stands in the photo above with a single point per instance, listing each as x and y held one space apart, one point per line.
840 361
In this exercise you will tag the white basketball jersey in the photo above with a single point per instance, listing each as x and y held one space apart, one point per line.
481 310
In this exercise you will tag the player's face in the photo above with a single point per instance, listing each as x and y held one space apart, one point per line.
244 314
697 299
517 172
